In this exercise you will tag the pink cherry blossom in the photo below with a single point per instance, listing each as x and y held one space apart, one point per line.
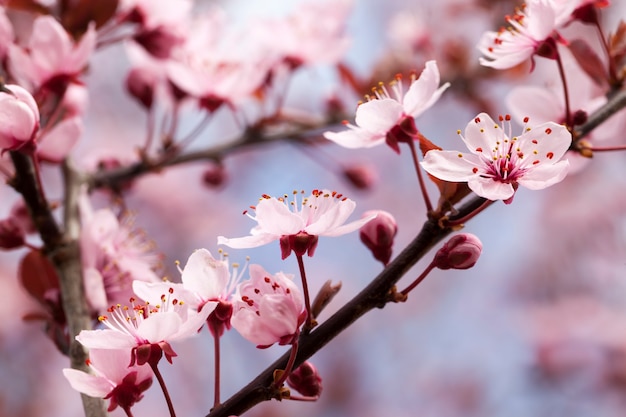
298 224
268 308
111 378
56 144
529 30
313 34
210 279
19 117
389 115
217 65
498 162
50 55
114 253
151 14
148 328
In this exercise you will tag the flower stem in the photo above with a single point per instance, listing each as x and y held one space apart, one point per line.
216 392
289 367
419 279
607 148
420 177
459 221
166 394
568 113
128 412
307 301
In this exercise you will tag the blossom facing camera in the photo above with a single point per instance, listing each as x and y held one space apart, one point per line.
497 162
19 117
379 233
306 380
460 252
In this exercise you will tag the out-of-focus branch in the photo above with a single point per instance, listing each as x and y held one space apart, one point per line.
114 178
375 295
62 250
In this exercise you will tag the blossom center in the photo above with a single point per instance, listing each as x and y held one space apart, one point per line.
127 319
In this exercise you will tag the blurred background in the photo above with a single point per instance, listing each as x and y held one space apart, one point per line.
536 328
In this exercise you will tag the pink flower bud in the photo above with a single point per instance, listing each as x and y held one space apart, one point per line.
159 41
215 175
378 234
460 252
140 83
306 380
19 117
361 176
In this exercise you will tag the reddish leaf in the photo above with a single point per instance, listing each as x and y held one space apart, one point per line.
38 276
589 61
77 17
28 6
617 43
350 78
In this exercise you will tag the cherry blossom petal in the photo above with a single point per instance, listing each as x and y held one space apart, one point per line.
60 140
195 320
447 166
482 133
331 218
356 138
91 385
536 103
205 275
279 315
425 91
94 289
546 142
275 217
491 189
545 175
247 241
83 50
347 228
379 115
105 339
160 326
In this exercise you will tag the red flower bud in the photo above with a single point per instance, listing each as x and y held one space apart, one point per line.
11 234
360 176
141 83
460 252
378 234
306 380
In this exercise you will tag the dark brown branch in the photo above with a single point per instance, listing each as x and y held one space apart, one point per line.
616 103
375 295
62 250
